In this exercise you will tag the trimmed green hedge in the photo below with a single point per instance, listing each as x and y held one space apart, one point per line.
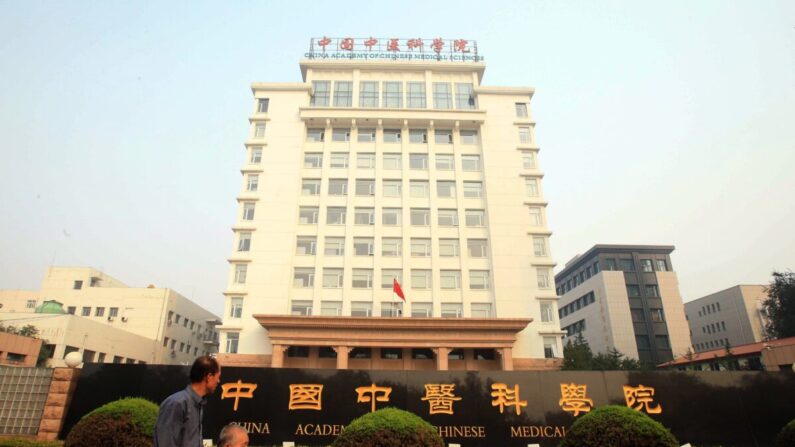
786 437
389 427
28 442
127 422
618 426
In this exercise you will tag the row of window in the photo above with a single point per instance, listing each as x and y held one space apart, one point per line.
390 188
85 311
656 314
628 265
623 264
652 291
183 347
392 161
660 342
90 356
574 328
174 318
369 135
337 215
390 94
712 344
577 304
304 277
709 309
390 246
714 327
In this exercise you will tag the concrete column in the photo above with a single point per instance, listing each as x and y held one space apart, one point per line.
342 356
506 357
277 358
441 358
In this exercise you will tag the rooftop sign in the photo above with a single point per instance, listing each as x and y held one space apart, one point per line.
371 48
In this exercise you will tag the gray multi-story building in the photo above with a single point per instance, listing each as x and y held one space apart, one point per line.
624 297
731 317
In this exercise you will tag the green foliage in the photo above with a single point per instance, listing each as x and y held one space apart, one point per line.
27 442
127 422
577 356
786 437
389 427
780 305
617 426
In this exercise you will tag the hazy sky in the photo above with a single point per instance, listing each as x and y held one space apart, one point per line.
122 126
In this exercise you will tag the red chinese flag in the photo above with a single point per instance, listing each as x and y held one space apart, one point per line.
396 288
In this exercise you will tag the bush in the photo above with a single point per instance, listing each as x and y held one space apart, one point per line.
617 426
389 427
786 437
127 422
28 442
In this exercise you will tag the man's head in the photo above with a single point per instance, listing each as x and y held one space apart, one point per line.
205 375
233 435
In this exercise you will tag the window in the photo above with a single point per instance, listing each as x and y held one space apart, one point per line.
442 96
393 95
645 266
420 279
339 160
642 341
452 310
248 210
99 312
317 136
332 278
528 160
421 354
365 160
330 308
661 341
415 98
450 279
364 216
365 187
368 94
313 160
611 264
445 189
652 291
240 274
418 136
343 94
363 246
476 218
391 216
236 306
480 310
543 276
262 105
71 310
550 347
389 275
443 136
656 315
637 315
418 188
321 90
421 310
420 216
340 135
547 312
310 187
633 290
259 130
535 215
304 277
244 241
524 135
479 279
366 135
445 162
448 247
30 304
391 246
232 340
391 135
531 187
626 265
391 309
392 188
418 161
448 218
540 245
470 162
361 309
521 110
77 285
392 161
662 266
335 215
473 190
362 278
307 215
464 97
334 246
469 137
337 187
420 247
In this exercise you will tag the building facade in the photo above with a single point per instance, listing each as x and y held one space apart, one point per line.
731 317
624 297
373 171
104 316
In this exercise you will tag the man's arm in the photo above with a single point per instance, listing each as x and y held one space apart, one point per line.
168 428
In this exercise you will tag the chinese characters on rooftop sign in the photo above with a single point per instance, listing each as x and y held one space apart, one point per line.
367 48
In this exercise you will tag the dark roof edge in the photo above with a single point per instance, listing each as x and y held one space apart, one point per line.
613 248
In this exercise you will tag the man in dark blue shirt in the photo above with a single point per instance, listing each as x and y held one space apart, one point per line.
179 423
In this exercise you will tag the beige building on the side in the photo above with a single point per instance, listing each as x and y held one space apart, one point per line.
371 170
731 317
112 320
16 350
624 297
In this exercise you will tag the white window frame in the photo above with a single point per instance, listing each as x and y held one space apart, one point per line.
393 161
475 218
241 271
419 188
479 280
388 213
365 160
256 155
450 279
391 246
363 246
365 135
244 241
340 135
307 243
338 187
306 275
334 246
315 135
421 279
424 214
445 188
249 209
306 210
418 162
452 244
339 160
310 187
392 188
259 131
420 247
365 187
362 278
447 218
252 182
470 163
445 162
310 158
339 211
478 248
333 278
452 310
368 213
235 307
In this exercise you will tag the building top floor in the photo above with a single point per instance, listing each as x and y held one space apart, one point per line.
627 258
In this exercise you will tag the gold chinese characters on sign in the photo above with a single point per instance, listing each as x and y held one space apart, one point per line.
306 396
504 396
573 399
237 390
440 397
641 398
372 394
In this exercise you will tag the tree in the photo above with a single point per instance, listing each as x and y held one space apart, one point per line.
577 355
29 331
779 307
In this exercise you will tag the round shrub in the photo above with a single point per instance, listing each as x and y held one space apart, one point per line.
127 422
389 427
617 426
786 437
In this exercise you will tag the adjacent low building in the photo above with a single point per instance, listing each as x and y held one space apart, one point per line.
18 350
773 355
731 317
